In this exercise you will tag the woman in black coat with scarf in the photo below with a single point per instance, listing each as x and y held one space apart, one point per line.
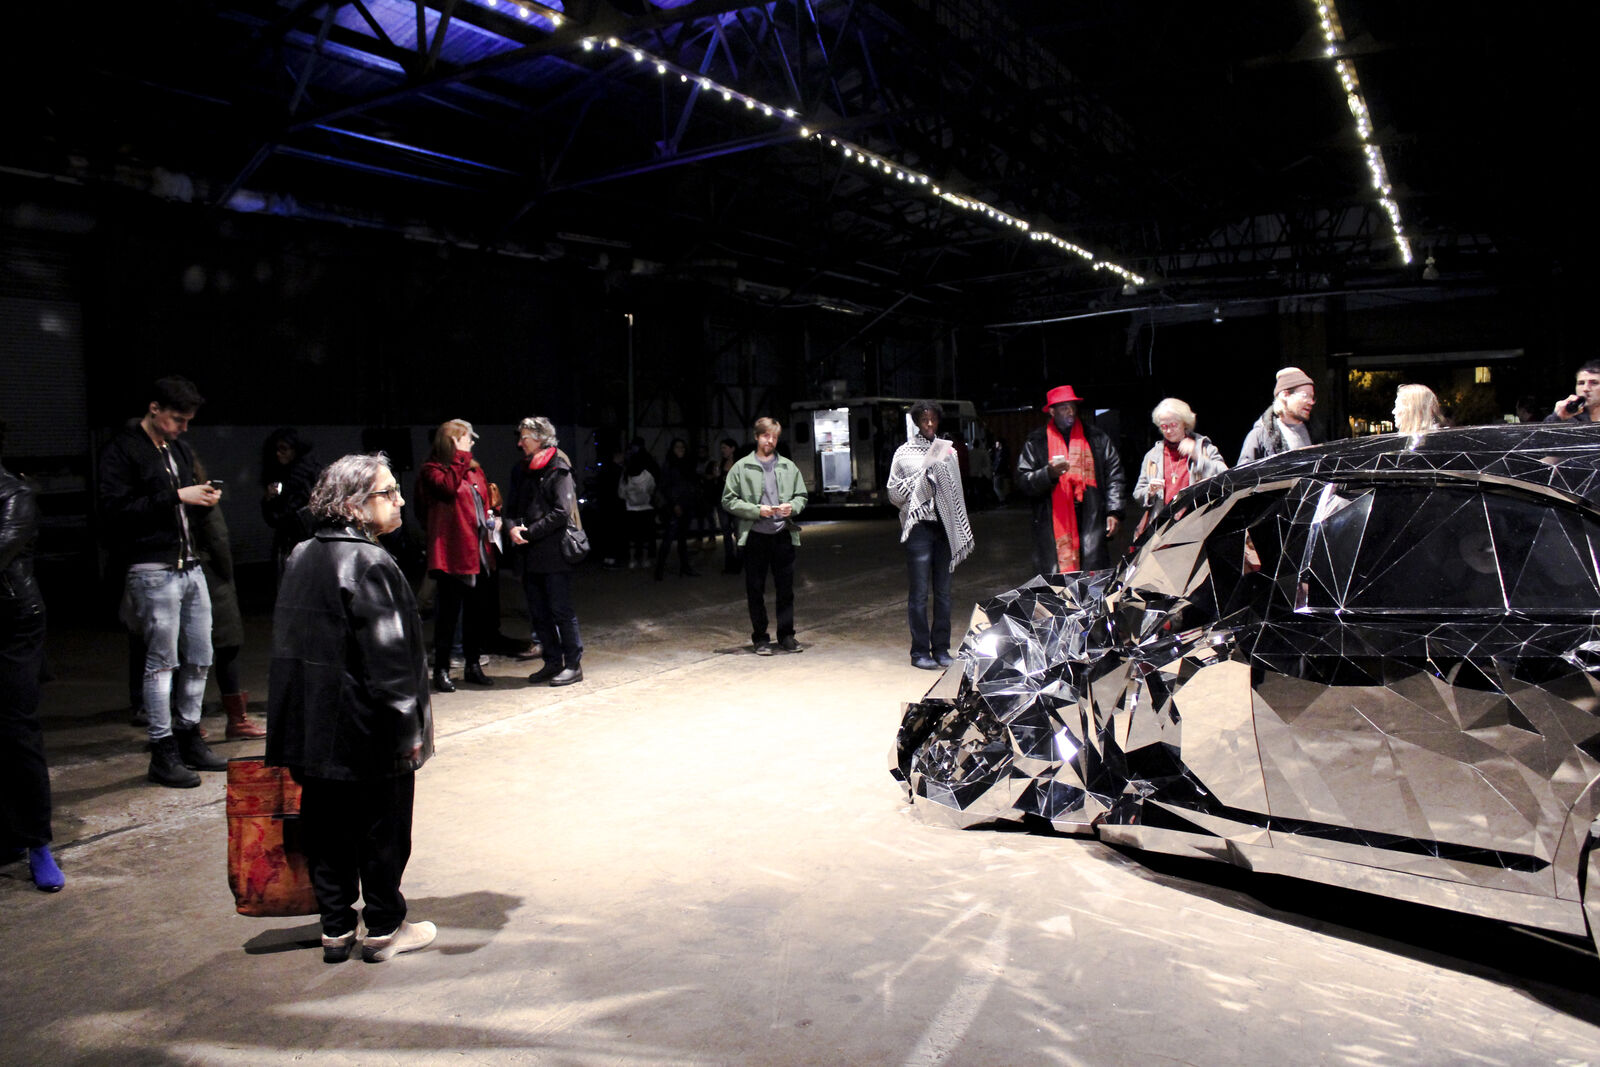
547 504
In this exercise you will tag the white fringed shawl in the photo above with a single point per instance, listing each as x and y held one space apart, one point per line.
926 491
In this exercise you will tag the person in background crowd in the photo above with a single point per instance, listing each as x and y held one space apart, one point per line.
963 459
637 491
287 475
680 488
727 453
925 484
348 709
540 519
710 475
1074 474
1283 426
611 538
1527 409
1181 458
1416 410
765 494
150 502
24 776
227 626
1000 469
460 522
1579 405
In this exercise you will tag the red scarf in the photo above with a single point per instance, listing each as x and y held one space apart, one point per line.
1069 491
541 458
1174 472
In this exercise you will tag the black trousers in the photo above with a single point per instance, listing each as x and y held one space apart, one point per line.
764 552
475 605
357 838
676 528
24 778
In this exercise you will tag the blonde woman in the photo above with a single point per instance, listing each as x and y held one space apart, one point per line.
1416 410
1181 458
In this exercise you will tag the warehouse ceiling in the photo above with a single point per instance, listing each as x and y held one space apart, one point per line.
1182 153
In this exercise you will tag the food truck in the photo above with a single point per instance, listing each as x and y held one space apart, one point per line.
844 447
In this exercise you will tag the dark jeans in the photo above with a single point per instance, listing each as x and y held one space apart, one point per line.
474 606
357 836
610 534
928 557
676 528
764 552
555 620
642 533
24 778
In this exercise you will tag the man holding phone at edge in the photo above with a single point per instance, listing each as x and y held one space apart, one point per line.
149 501
765 494
1579 407
1074 475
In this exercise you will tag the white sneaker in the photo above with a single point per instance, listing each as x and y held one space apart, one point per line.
408 938
337 949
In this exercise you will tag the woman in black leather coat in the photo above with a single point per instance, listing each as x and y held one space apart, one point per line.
24 778
352 732
546 505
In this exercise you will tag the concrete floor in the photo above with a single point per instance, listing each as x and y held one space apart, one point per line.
698 856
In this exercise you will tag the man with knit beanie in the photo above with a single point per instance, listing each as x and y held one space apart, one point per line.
1283 426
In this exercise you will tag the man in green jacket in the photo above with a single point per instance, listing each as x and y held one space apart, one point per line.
765 494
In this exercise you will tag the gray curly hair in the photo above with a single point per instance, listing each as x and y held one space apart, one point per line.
344 485
541 428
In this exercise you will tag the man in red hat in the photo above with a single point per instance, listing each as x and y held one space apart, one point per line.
1074 473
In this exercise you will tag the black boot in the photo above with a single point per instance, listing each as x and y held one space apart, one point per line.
442 682
166 768
196 754
545 673
474 674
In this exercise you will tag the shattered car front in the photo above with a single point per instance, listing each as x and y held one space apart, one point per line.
1372 664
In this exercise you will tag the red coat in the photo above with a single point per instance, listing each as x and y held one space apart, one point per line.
452 513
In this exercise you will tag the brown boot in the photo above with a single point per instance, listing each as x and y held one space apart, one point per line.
240 727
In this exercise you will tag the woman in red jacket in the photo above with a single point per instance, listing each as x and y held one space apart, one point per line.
460 551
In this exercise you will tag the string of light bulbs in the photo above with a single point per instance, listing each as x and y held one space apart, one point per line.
528 8
854 153
1333 39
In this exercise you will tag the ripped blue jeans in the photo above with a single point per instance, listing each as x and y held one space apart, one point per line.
171 610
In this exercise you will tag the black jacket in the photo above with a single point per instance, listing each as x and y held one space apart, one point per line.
19 529
547 502
1108 497
680 485
137 500
348 697
285 512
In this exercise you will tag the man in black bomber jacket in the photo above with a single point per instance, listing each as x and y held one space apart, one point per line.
150 505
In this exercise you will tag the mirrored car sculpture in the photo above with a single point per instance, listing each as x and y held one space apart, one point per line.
1372 664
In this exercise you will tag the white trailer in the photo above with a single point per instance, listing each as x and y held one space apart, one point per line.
844 447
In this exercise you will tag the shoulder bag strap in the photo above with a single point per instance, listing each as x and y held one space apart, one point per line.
575 516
